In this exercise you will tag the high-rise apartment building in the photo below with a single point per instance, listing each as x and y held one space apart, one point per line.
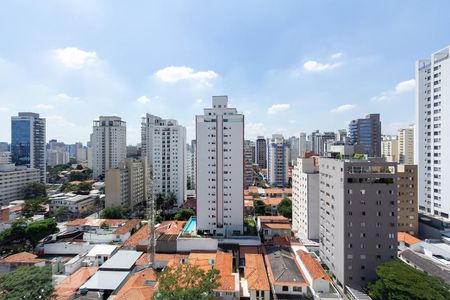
220 148
164 145
261 152
294 149
28 142
278 161
302 144
248 163
305 198
341 135
358 217
57 157
408 220
433 132
190 164
109 144
389 148
128 184
406 145
13 180
366 132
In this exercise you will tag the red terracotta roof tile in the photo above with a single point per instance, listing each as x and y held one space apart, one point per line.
255 272
407 238
314 268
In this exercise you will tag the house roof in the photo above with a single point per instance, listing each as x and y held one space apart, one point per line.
426 265
127 227
122 260
96 222
137 287
105 280
281 240
313 266
224 263
277 225
170 228
272 201
407 238
255 272
283 268
22 258
278 191
66 288
169 258
243 250
102 250
273 218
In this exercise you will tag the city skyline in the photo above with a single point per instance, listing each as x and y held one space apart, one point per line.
295 71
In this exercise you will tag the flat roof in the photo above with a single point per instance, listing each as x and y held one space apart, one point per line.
426 265
105 280
102 250
123 259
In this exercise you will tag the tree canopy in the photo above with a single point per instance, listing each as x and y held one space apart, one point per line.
20 232
187 282
115 212
398 281
27 283
34 190
259 207
285 208
184 214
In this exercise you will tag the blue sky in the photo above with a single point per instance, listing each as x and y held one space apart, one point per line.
289 66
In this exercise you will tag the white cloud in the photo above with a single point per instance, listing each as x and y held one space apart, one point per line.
74 58
199 101
252 130
173 74
275 108
402 87
337 55
143 99
3 109
60 121
65 97
343 108
44 106
315 66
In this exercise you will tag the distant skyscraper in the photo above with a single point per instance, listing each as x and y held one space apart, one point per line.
406 145
28 142
278 161
367 132
248 163
358 217
4 147
109 144
261 152
341 135
220 147
164 144
302 144
294 150
433 132
389 147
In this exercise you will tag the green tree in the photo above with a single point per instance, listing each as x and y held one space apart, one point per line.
259 207
187 282
398 281
159 200
62 212
184 214
115 212
40 229
27 283
84 186
34 190
285 208
170 200
33 206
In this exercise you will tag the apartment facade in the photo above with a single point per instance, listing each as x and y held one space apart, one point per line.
249 150
358 217
28 145
408 219
294 149
13 179
220 145
406 145
164 145
277 161
261 152
305 198
389 147
433 132
366 132
109 144
128 184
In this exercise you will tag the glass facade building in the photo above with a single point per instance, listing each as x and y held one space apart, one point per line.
366 132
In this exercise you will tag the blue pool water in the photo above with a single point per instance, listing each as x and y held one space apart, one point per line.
191 225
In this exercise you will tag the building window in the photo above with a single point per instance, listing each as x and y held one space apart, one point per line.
285 288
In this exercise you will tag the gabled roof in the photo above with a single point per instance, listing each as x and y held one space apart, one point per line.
313 266
137 287
276 225
255 273
165 228
407 238
224 263
282 267
66 288
22 258
273 218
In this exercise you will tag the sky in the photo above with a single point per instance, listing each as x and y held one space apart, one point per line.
288 66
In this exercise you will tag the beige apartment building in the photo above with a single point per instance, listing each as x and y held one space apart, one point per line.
407 199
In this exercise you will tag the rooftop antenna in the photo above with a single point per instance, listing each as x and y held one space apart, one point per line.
151 223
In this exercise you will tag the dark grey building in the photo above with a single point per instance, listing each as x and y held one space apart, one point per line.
28 146
366 132
261 152
358 217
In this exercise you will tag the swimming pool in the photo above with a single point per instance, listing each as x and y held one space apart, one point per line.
191 225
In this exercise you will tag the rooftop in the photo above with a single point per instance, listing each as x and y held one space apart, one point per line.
426 265
255 272
169 228
272 201
102 250
313 266
66 288
105 280
407 238
22 258
277 226
283 268
273 218
122 260
140 286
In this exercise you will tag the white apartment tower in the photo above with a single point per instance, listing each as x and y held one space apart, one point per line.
305 198
389 148
406 145
109 144
277 161
433 132
164 144
220 149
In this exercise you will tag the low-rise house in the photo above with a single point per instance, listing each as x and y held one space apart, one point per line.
68 287
14 261
285 275
139 286
271 226
272 204
76 205
255 284
405 240
100 253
